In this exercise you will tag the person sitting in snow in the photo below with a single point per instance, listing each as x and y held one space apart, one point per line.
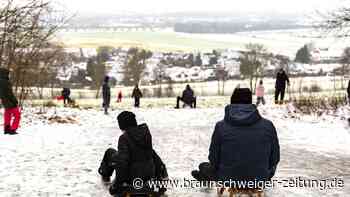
244 146
134 159
187 97
12 115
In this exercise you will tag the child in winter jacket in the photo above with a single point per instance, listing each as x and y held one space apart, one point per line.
120 97
260 92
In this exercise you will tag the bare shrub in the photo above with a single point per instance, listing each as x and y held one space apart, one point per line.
319 105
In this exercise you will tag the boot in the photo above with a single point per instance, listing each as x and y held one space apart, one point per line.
7 130
12 133
196 174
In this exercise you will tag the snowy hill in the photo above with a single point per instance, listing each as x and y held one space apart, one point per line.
51 159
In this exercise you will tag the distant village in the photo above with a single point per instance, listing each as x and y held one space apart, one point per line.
191 67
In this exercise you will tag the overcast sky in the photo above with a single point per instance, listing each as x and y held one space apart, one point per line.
161 6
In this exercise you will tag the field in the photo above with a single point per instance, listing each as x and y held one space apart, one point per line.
285 42
162 40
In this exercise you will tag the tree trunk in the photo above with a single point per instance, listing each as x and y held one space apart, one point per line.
218 87
251 82
97 93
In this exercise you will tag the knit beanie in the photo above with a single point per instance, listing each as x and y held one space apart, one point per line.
242 96
126 120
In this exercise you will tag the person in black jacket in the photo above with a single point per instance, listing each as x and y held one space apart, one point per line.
66 96
244 146
134 159
348 91
106 93
282 80
136 94
187 97
12 115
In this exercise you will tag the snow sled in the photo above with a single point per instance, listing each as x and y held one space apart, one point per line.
234 192
59 98
144 192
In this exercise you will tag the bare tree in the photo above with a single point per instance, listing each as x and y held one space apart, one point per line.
49 61
345 60
252 62
221 75
135 65
26 27
159 75
97 71
336 21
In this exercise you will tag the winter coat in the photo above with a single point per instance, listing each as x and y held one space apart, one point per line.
260 91
120 95
244 146
7 97
106 93
281 80
135 156
136 93
188 95
66 92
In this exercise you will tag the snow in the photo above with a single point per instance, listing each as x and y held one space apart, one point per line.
51 159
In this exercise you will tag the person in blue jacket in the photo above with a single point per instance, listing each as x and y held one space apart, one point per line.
244 145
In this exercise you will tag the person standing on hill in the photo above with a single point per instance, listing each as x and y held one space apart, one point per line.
12 115
119 97
348 91
260 91
106 92
281 81
137 94
66 96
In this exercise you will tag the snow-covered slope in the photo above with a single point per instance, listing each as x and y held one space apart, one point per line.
51 159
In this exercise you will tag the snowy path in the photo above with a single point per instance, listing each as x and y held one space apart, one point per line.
61 160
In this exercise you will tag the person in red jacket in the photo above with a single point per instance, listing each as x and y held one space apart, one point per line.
12 115
120 96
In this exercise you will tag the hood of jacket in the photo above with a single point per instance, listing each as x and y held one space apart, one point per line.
4 74
141 136
241 114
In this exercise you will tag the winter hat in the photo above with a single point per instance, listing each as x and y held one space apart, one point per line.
106 78
126 120
242 96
